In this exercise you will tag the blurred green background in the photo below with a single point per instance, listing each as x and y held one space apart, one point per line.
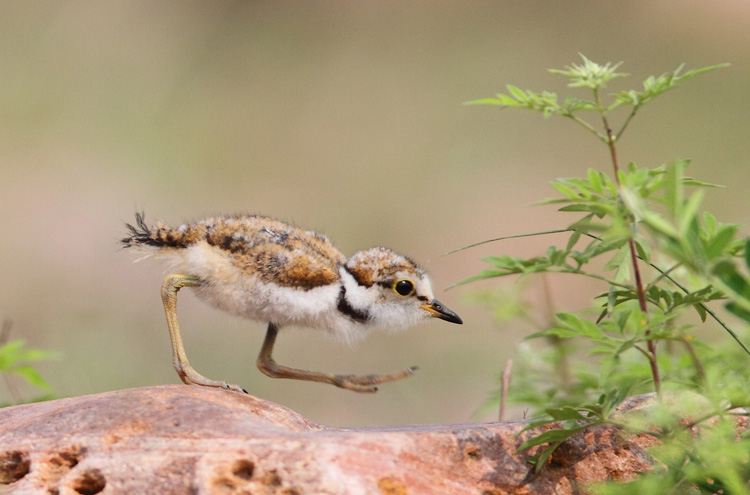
343 117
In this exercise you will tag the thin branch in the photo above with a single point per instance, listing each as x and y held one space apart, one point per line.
577 271
504 387
586 125
627 121
696 362
515 236
663 274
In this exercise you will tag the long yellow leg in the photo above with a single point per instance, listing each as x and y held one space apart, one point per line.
357 383
172 284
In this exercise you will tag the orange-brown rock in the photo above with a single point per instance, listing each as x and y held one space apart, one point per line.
193 440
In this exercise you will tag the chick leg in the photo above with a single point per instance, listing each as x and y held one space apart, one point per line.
357 383
172 284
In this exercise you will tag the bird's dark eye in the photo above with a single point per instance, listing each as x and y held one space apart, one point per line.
404 287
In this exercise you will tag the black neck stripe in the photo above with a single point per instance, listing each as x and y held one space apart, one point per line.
347 309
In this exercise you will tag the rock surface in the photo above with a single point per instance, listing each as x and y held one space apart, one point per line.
193 440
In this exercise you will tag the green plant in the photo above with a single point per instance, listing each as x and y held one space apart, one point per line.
661 257
17 359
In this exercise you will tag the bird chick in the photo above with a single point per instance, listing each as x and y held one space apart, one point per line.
263 269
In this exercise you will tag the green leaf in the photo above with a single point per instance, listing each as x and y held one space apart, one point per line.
566 191
710 222
728 274
584 327
657 223
564 413
595 179
517 93
643 250
701 310
673 188
554 435
747 253
491 101
31 375
689 181
540 459
723 237
563 333
618 259
738 311
690 212
572 240
600 349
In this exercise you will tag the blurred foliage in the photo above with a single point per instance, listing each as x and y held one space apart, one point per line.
18 359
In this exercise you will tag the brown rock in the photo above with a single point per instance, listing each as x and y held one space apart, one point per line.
194 440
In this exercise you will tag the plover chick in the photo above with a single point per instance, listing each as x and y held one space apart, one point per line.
267 270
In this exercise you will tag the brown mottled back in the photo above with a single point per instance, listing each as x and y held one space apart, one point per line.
272 250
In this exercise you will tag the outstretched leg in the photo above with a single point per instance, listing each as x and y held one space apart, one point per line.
172 284
357 383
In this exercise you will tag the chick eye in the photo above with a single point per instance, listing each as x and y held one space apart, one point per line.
404 287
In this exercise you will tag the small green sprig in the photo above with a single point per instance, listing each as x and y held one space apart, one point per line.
17 359
595 77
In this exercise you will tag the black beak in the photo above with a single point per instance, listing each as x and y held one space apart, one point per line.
437 310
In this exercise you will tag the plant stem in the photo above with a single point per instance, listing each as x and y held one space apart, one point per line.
586 126
627 121
696 362
505 386
611 139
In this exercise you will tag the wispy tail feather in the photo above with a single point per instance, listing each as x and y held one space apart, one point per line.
160 236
